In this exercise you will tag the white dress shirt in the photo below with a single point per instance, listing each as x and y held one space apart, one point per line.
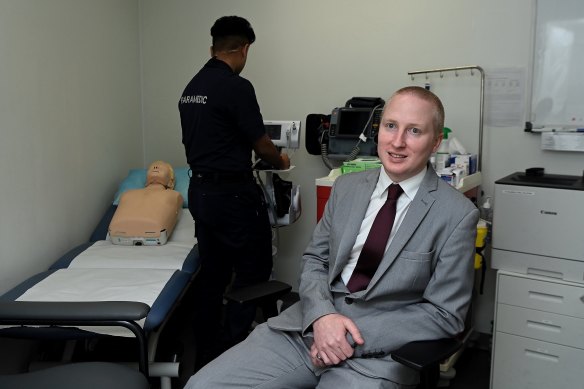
378 198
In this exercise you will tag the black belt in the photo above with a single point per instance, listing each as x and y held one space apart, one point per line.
222 177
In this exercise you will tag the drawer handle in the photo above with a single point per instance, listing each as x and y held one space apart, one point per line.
582 299
545 273
544 326
542 356
546 297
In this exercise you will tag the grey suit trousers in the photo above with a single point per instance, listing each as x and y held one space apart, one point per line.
271 359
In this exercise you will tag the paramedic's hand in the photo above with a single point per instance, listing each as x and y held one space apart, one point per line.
285 161
330 345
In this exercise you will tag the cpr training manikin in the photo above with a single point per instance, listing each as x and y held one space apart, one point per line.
147 216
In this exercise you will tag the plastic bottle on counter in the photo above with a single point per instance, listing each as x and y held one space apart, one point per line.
486 211
443 153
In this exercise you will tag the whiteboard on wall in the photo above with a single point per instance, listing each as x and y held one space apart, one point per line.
557 97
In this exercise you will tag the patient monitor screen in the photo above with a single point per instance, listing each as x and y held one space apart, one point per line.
352 122
274 131
283 133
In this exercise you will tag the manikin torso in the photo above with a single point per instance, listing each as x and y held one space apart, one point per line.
149 211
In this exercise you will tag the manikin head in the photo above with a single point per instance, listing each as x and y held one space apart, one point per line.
161 173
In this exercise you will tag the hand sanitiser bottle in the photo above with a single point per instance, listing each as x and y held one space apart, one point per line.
486 214
486 211
443 153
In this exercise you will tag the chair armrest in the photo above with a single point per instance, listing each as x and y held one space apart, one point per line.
421 355
41 312
259 293
97 313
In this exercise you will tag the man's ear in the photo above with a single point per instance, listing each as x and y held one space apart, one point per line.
437 142
211 51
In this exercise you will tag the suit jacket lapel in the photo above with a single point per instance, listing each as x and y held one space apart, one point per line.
418 209
356 213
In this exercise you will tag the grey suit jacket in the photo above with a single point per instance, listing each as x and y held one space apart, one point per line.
422 288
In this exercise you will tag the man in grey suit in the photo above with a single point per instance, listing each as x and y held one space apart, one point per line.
341 337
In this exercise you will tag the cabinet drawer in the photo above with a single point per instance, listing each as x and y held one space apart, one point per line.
523 363
550 296
546 326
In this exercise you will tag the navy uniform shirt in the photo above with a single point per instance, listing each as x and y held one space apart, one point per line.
220 119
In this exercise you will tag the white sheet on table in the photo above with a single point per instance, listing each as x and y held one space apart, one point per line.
84 285
108 272
184 231
105 255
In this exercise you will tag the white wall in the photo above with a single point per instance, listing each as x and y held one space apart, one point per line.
311 56
71 82
69 123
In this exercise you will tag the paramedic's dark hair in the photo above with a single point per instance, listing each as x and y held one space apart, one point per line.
231 32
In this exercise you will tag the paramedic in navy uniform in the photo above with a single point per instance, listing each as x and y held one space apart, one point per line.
221 125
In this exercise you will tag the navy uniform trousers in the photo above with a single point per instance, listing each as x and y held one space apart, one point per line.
235 244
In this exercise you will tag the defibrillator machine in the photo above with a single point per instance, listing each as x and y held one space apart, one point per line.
351 128
347 133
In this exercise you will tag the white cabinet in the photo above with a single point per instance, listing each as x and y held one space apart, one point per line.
539 333
538 339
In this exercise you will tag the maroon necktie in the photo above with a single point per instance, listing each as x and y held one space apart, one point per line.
374 246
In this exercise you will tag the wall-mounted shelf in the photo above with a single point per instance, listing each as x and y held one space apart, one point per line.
469 182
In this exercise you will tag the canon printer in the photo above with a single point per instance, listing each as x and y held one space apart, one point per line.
538 225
